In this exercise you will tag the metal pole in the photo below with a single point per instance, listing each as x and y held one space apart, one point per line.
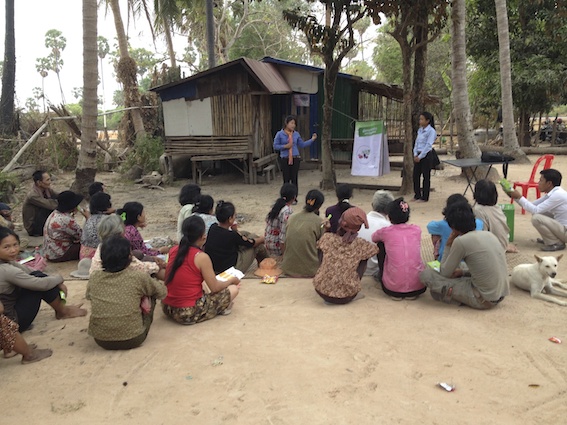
210 34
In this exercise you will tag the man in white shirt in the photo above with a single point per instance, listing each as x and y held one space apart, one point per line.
549 212
377 219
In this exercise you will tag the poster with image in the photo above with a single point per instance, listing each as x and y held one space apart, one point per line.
370 150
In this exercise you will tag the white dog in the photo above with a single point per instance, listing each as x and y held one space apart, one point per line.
539 278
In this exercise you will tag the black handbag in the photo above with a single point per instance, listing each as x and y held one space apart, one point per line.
435 162
495 157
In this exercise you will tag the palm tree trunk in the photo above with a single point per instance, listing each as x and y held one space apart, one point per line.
86 165
511 145
127 73
467 143
7 123
169 42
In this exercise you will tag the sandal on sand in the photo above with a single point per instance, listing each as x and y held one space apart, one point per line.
38 355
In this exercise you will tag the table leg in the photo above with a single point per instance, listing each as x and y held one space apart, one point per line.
194 171
470 179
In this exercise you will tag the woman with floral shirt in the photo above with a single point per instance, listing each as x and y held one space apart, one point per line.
276 221
62 233
134 217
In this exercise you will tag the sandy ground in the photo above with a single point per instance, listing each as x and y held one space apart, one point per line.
284 357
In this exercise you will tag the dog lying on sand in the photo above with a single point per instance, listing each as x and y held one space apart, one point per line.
539 279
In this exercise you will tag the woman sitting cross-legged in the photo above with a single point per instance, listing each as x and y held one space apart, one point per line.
205 208
134 216
276 220
117 320
304 229
228 246
400 254
344 258
112 225
12 342
188 267
21 290
62 234
98 207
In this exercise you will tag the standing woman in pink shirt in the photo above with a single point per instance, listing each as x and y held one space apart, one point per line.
400 254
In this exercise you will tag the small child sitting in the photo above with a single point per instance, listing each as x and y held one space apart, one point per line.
440 230
400 254
344 193
228 247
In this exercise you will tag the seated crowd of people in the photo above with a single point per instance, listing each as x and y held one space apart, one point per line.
127 276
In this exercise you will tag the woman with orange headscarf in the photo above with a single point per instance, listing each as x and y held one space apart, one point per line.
287 142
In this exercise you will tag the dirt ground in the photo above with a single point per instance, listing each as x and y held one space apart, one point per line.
284 357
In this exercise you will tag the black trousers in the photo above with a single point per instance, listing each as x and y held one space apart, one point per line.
422 168
28 303
290 172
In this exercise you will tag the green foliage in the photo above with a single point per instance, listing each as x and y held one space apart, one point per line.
387 58
268 35
539 63
146 154
361 69
8 183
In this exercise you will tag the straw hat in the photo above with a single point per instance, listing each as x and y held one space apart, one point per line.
82 271
268 267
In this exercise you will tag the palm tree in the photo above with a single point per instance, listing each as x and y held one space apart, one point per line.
511 145
55 41
462 111
7 124
127 73
86 165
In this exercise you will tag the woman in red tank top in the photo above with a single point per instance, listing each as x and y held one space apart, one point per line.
186 302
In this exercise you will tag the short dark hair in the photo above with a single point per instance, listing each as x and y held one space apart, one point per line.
38 175
224 211
485 193
99 203
343 191
290 118
552 175
95 188
115 254
453 199
460 217
189 194
204 204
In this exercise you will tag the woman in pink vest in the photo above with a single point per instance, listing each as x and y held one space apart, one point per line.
400 254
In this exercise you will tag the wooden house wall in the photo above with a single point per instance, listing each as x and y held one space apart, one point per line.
244 115
375 107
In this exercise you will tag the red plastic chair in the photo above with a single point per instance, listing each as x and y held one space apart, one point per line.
532 181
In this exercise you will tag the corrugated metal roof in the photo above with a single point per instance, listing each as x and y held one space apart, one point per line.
391 91
268 76
311 68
